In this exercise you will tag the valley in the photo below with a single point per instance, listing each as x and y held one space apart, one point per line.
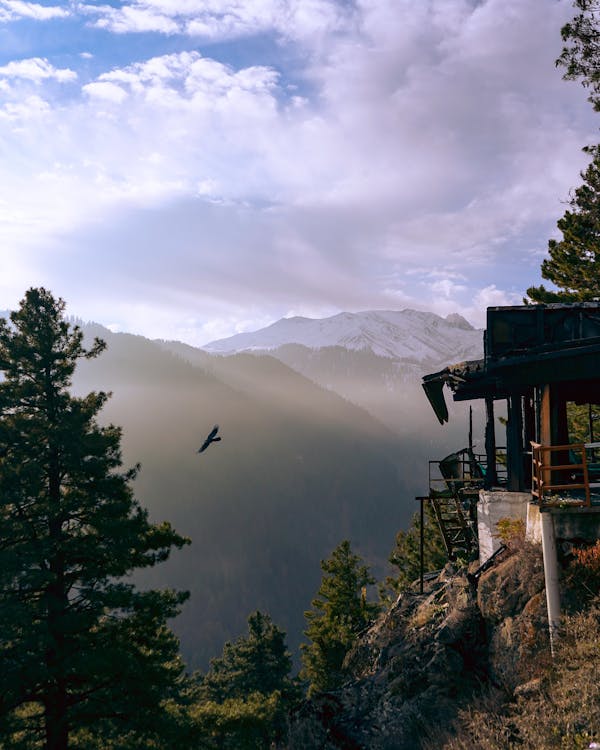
319 445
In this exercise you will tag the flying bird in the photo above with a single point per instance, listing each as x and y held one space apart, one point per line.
212 438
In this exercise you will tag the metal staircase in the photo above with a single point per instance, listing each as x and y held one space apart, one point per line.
453 492
455 517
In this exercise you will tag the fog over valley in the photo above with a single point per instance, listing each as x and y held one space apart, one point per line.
305 461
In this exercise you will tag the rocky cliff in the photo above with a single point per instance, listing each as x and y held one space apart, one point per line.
431 655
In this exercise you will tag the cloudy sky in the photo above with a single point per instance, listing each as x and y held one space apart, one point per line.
194 168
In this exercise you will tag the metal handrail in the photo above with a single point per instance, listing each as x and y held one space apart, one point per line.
438 483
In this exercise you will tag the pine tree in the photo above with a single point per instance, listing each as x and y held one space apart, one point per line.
258 662
247 692
574 262
583 422
340 611
580 56
80 646
406 555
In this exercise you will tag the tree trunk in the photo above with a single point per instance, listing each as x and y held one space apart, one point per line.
55 714
55 702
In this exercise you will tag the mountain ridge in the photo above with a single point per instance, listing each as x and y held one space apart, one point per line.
407 335
299 468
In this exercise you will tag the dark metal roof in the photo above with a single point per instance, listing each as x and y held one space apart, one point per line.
519 329
526 346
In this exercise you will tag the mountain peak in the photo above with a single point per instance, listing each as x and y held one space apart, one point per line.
459 322
410 335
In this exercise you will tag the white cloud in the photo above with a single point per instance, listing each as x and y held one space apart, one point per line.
491 296
36 69
422 161
447 288
225 19
133 19
106 91
472 306
188 74
11 10
32 106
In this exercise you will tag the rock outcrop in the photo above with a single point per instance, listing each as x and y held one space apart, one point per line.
426 657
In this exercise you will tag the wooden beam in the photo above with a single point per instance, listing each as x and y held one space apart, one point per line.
514 447
491 474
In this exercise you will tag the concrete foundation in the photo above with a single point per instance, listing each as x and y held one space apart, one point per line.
570 524
492 506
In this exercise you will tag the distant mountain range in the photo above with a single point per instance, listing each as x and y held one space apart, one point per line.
374 359
409 336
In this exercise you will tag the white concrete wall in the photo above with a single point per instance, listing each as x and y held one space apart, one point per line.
492 506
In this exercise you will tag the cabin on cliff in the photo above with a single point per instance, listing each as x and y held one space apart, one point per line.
543 361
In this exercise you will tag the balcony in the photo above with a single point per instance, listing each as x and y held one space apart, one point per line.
565 475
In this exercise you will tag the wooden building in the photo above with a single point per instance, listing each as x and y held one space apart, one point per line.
539 359
544 361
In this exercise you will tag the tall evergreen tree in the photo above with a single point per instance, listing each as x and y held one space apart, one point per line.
257 662
80 646
406 555
340 611
574 261
580 56
573 264
244 698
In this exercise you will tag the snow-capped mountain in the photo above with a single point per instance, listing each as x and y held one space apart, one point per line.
407 335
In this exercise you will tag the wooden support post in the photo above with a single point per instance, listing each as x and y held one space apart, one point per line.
555 430
514 448
491 475
560 426
545 431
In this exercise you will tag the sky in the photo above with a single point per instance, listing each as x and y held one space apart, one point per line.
191 169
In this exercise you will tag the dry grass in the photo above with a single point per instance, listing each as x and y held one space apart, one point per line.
427 614
561 713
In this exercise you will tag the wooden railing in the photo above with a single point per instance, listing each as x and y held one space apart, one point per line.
542 485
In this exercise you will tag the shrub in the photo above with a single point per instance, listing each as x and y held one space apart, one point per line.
584 572
511 532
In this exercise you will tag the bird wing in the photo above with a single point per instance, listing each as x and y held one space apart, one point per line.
210 439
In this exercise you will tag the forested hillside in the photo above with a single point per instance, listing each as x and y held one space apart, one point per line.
298 469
